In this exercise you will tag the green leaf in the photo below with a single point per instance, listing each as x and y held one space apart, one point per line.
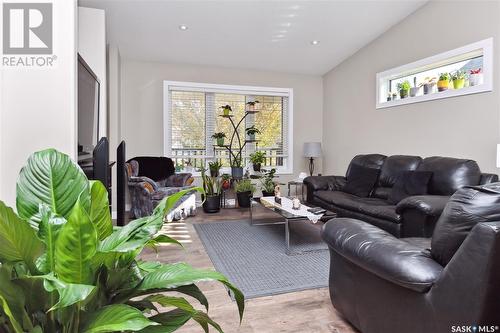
69 293
180 274
170 321
12 301
50 225
117 317
18 241
52 178
75 247
99 210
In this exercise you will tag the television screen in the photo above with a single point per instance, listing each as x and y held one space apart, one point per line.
88 108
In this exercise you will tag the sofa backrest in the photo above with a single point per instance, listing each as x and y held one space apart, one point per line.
369 160
155 167
450 174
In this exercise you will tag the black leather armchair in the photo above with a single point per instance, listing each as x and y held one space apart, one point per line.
384 284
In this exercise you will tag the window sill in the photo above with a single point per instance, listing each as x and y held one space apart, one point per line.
437 95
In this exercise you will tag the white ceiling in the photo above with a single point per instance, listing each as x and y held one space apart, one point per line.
266 35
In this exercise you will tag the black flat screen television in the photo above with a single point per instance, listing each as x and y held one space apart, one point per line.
88 109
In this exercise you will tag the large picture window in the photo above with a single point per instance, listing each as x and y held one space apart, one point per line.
192 115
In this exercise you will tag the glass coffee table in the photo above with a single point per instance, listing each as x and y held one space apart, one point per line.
288 219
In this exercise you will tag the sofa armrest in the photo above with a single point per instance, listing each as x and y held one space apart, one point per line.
487 178
143 179
432 205
380 253
177 180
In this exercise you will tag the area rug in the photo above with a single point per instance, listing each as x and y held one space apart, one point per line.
254 258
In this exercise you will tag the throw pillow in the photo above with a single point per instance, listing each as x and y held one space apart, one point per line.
466 208
410 183
361 180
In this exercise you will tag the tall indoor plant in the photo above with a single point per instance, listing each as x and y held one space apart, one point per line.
65 268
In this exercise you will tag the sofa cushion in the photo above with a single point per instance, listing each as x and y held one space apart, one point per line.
374 161
410 183
361 180
382 192
450 174
466 208
369 206
394 165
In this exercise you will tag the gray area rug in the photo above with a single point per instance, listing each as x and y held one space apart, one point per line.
254 258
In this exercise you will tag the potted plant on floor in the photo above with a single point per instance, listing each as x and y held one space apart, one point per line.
244 190
251 105
251 131
403 88
257 159
226 110
219 137
214 168
212 188
476 77
268 184
64 267
458 79
443 82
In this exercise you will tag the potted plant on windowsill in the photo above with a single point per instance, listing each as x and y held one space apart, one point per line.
403 88
268 184
257 159
212 187
458 79
443 82
244 190
219 137
476 77
226 110
251 105
214 168
251 131
428 85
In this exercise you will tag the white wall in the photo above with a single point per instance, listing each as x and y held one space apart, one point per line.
38 106
114 109
466 126
92 48
142 103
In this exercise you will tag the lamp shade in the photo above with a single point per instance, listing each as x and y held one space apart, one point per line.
312 149
498 155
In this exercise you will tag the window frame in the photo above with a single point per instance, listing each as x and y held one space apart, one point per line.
287 168
383 78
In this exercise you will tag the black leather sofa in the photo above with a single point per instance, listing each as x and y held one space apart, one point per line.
448 284
414 216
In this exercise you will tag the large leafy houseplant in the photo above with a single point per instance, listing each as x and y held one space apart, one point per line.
65 268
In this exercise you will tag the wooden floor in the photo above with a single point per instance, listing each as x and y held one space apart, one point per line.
304 311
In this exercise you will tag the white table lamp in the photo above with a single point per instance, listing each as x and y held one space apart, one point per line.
312 150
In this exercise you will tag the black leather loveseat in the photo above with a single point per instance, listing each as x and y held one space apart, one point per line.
414 216
449 283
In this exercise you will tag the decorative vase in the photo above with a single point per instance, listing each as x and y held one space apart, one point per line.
458 84
414 91
403 93
256 167
237 172
428 87
226 184
211 204
443 85
220 141
244 198
476 79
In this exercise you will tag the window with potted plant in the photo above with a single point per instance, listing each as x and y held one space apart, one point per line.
213 188
244 191
403 88
219 137
257 158
251 131
443 82
458 79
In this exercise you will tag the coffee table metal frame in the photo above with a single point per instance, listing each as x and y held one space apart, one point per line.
288 218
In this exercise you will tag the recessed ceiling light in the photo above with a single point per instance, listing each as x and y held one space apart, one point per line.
183 27
315 42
